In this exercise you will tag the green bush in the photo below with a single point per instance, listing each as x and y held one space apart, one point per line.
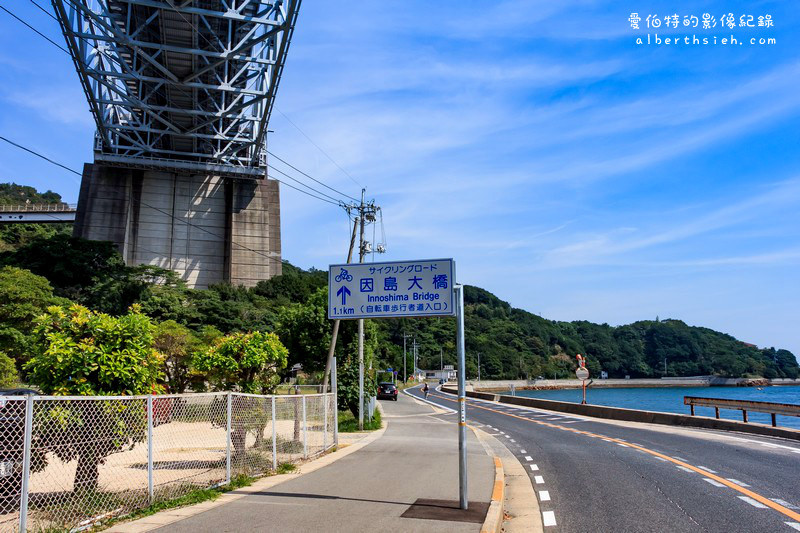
8 371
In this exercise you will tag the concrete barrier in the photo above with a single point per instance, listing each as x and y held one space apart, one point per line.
634 415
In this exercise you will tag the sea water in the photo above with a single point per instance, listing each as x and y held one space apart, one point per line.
670 399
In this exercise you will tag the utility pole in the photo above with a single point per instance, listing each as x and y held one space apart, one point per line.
479 366
361 251
441 359
665 366
336 322
405 374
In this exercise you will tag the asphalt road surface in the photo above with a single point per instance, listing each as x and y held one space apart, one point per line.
595 475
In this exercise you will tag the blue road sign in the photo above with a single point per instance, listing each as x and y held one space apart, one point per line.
392 290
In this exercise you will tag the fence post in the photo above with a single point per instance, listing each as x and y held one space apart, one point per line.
335 389
274 438
26 465
228 441
305 430
150 449
324 399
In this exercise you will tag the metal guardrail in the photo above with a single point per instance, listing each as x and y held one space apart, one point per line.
772 408
36 208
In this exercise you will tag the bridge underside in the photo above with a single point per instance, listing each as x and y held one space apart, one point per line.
208 229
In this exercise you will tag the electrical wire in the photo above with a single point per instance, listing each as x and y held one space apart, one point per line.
311 177
334 201
46 12
318 147
37 31
141 203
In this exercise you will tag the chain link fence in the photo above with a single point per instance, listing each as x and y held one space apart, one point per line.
68 462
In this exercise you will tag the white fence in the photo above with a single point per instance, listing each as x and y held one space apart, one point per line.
69 461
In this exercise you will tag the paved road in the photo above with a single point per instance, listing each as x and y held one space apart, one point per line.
595 476
368 490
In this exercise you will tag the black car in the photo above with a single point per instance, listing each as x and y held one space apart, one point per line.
387 390
12 443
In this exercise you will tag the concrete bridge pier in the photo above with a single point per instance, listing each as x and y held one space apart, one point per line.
208 229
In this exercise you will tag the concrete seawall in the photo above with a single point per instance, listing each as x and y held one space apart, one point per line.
534 384
633 415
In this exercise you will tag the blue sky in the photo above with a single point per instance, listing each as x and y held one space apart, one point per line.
566 169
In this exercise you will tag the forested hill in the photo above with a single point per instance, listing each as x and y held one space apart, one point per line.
516 343
512 343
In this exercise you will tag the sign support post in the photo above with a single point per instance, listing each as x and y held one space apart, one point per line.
462 406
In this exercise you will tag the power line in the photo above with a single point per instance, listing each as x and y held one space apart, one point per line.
37 154
318 147
334 201
311 177
46 12
37 31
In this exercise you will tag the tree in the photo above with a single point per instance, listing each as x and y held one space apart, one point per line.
83 353
347 384
249 362
8 371
177 344
305 330
25 296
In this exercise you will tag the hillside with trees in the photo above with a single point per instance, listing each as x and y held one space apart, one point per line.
190 328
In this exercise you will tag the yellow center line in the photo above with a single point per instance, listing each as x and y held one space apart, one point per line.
766 501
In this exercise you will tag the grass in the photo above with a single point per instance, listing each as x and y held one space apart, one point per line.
349 424
194 497
191 498
285 468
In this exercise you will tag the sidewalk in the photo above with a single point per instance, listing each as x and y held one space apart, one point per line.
368 490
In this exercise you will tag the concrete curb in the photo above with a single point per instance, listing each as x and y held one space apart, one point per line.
634 415
493 523
170 516
519 497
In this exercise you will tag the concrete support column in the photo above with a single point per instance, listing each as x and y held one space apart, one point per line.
207 229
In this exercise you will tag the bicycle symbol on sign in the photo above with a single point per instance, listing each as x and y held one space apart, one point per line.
343 275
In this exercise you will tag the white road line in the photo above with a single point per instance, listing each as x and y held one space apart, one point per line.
793 525
740 483
706 469
685 469
752 502
522 451
512 440
528 458
507 436
538 480
660 458
544 496
548 518
623 445
680 459
785 504
534 467
713 482
571 421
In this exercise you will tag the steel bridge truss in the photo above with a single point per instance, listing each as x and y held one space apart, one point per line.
180 84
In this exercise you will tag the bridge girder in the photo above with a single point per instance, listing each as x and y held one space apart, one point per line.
180 84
